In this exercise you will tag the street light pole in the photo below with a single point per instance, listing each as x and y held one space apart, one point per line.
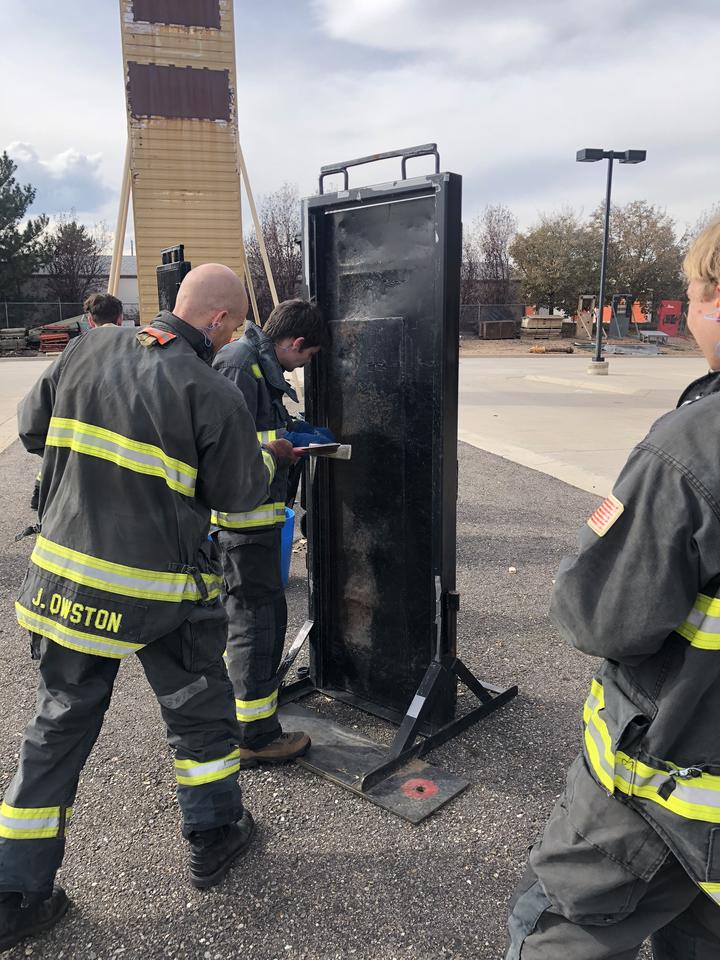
591 155
603 263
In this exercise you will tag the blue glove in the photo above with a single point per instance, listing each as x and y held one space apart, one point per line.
298 439
305 434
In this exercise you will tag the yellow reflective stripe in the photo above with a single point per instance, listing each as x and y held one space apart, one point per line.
702 627
708 605
265 436
95 644
31 823
712 890
269 515
89 571
38 478
145 458
257 372
190 773
693 798
701 639
249 710
270 465
601 744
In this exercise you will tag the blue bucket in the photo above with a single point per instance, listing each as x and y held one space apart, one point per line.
286 542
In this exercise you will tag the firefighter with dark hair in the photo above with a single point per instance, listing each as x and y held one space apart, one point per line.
140 421
249 541
103 309
632 849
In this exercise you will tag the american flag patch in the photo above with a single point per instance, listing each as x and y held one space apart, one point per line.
605 515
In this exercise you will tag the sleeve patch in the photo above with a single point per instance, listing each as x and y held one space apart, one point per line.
605 515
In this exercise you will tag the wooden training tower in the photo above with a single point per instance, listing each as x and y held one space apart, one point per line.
184 163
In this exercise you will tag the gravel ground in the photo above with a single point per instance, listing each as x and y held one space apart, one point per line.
330 876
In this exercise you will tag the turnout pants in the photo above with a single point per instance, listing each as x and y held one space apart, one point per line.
186 671
600 882
254 601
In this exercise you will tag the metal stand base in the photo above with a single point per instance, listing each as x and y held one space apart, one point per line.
395 779
598 368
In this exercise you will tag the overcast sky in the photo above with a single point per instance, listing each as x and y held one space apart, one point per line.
509 89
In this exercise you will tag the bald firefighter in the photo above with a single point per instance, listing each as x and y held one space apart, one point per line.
632 849
140 437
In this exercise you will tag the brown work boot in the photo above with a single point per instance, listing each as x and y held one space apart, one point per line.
288 746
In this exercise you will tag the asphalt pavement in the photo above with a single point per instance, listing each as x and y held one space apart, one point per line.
330 875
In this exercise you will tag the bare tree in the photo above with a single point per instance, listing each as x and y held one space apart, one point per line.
280 222
486 275
498 227
707 217
471 268
74 258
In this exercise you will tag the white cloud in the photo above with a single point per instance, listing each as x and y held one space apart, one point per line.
511 132
509 89
487 34
69 180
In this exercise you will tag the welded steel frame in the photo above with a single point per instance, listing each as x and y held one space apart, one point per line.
441 429
429 718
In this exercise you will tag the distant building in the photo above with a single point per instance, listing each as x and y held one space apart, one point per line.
128 284
36 285
40 304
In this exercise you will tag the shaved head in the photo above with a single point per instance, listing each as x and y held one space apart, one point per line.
212 298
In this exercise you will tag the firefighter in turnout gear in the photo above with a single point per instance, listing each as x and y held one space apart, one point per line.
632 849
101 309
139 437
249 541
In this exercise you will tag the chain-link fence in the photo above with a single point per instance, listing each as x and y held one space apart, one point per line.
26 314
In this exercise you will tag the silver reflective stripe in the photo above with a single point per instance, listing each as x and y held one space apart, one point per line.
416 705
265 709
109 578
115 578
214 766
176 700
594 735
14 823
270 464
704 621
267 515
75 639
146 458
110 446
688 793
33 823
690 797
592 701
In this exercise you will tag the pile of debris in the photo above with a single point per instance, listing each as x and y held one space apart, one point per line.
13 340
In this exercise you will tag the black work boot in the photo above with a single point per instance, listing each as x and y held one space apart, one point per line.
213 852
18 920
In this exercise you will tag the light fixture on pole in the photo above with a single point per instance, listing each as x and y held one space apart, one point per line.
591 155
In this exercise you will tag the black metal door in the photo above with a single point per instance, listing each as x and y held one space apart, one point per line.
384 264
